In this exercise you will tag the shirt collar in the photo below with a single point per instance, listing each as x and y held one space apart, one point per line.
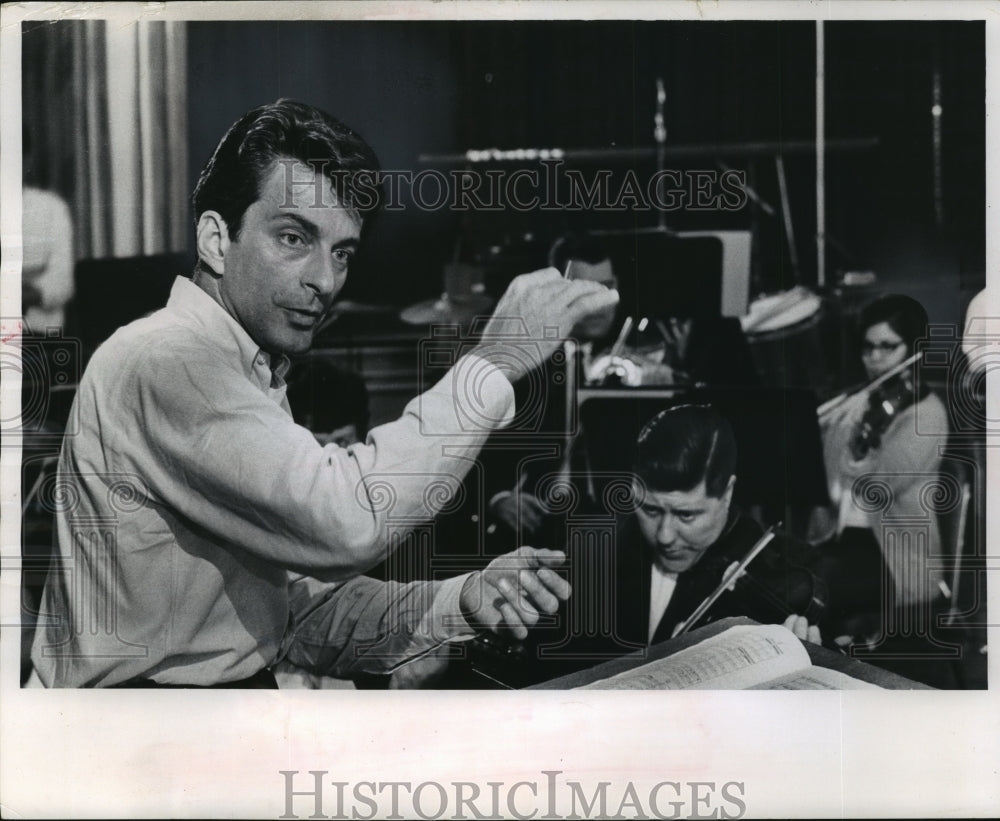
187 298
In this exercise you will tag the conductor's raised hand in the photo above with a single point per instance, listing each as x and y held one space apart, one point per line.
534 315
514 590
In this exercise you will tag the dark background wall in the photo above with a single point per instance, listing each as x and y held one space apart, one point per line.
879 81
446 87
396 84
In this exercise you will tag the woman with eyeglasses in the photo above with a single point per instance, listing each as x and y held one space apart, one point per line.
881 448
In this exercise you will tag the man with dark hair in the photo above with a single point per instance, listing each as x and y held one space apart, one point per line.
689 534
685 446
683 539
286 131
585 256
203 535
686 537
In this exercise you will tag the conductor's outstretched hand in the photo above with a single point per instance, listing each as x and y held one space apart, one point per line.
514 590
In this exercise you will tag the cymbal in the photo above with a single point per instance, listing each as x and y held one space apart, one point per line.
446 310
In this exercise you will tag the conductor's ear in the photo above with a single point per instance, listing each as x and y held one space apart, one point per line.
213 241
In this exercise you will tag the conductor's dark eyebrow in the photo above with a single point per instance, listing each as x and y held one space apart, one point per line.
306 225
309 227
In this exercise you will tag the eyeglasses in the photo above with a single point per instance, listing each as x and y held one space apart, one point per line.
868 348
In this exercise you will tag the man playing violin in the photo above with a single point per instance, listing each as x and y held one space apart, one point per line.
683 541
686 538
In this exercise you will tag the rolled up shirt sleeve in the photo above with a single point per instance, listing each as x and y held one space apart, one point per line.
212 446
369 626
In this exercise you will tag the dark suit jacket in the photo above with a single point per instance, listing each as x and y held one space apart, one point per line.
765 596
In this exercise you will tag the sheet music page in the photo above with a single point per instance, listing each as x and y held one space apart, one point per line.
818 678
740 658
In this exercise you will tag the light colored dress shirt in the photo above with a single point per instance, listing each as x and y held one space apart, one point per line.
47 232
195 518
661 591
981 336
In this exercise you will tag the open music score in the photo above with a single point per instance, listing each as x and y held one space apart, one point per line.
745 657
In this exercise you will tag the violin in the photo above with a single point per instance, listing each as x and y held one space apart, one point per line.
826 411
887 396
789 589
773 588
885 403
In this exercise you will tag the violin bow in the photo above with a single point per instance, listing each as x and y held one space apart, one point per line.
831 405
619 345
727 580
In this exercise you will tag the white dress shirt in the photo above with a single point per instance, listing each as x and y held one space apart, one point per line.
194 516
661 590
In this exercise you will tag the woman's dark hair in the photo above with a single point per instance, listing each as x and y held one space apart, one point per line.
681 446
903 314
285 130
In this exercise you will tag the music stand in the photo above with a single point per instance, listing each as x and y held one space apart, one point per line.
665 275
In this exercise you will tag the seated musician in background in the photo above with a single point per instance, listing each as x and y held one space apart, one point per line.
47 284
585 257
676 345
580 257
683 542
873 436
669 330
